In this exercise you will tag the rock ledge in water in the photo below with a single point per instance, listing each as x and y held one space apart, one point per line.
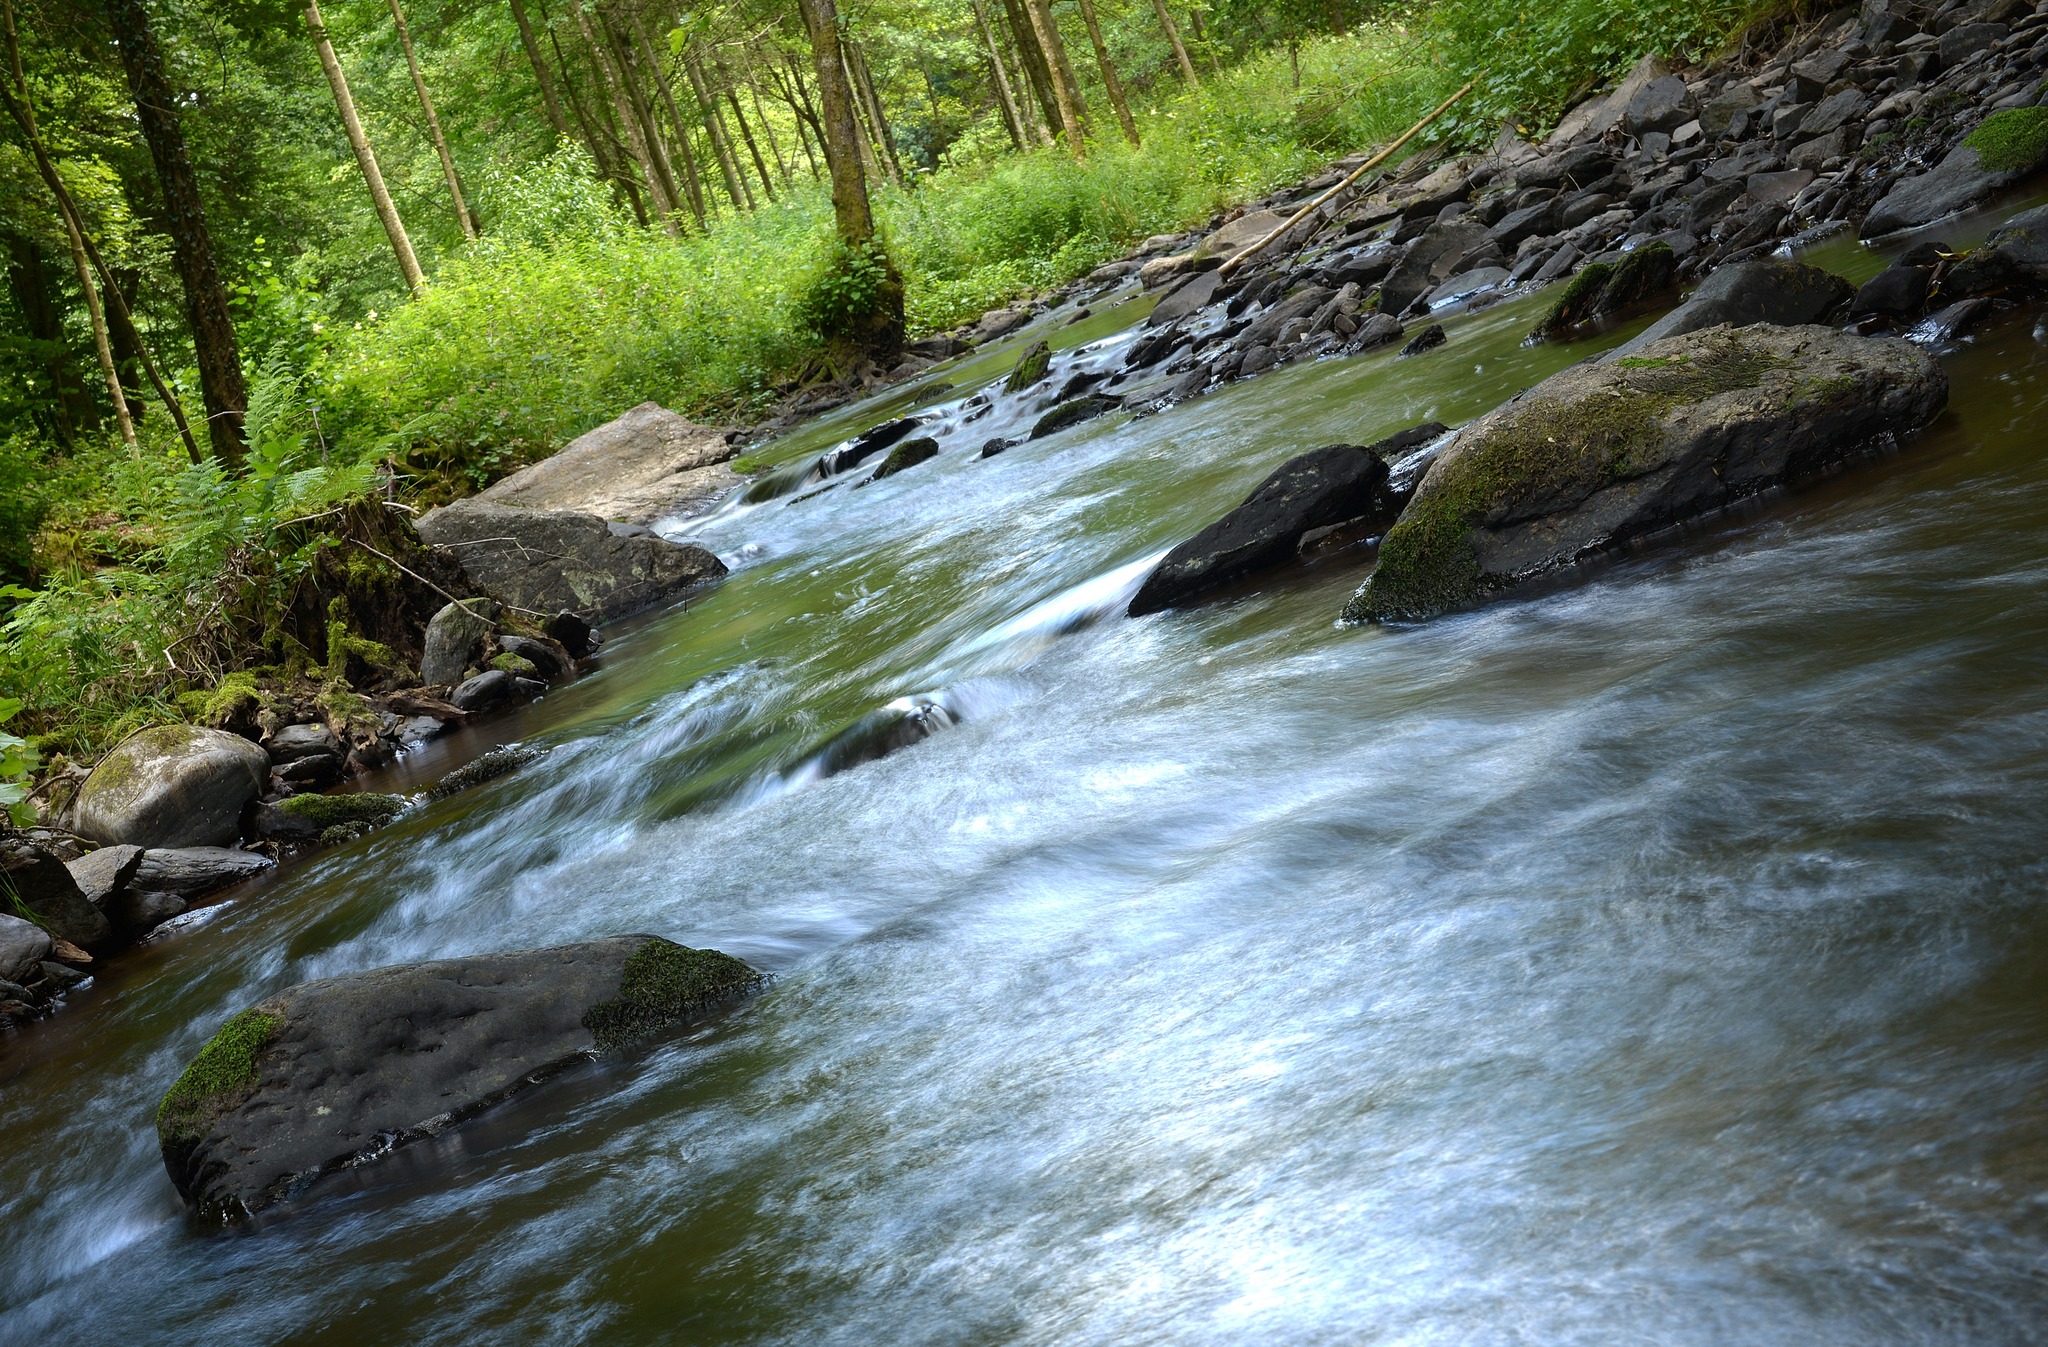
1608 452
331 1074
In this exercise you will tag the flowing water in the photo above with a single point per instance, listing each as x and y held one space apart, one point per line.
1662 958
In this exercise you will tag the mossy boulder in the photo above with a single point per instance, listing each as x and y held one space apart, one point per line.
1607 453
335 1073
1604 288
1073 412
1030 367
310 817
2003 149
908 454
171 786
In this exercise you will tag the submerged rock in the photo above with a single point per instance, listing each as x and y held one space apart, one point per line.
1073 414
334 1073
546 561
908 454
1331 485
1030 367
1606 453
171 786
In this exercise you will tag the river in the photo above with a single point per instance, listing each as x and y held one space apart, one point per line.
1659 958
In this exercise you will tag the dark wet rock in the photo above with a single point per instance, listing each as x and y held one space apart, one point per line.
1428 261
876 735
137 912
908 454
1897 292
1947 324
309 818
1763 290
36 884
453 638
1267 329
2004 148
1031 366
1780 188
23 945
103 874
1428 339
1722 107
1465 285
1257 359
1332 485
1000 323
2016 253
1834 112
1573 168
1959 44
1662 104
321 769
293 742
1606 453
485 767
487 691
1362 266
546 561
1526 223
1711 204
867 444
548 658
334 1073
171 785
191 871
1184 299
1604 288
1074 413
991 447
575 635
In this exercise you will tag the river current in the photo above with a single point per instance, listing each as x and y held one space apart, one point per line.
1658 958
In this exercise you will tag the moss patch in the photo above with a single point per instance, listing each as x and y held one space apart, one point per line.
236 695
1030 367
2013 139
325 811
1603 287
515 664
1428 561
488 767
218 1078
662 983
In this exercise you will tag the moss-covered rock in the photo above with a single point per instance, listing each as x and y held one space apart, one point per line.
1603 288
1605 453
171 786
662 983
221 1076
325 811
2014 138
2000 151
1030 367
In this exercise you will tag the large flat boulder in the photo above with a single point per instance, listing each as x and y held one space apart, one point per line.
191 871
551 561
646 465
1606 453
330 1074
1771 290
2005 148
171 786
1336 484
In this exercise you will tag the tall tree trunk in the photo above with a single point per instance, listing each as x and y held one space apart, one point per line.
1066 89
1032 57
613 80
419 86
1111 85
735 186
366 159
691 182
664 186
206 300
881 327
767 123
548 101
26 115
29 279
1011 120
739 118
605 150
885 139
1180 51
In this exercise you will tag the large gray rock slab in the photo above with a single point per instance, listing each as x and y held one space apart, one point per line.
546 561
171 786
1661 104
1184 299
1332 485
1607 453
2005 148
191 871
23 946
101 875
452 639
1240 233
333 1073
1601 113
646 465
1771 290
1428 262
36 885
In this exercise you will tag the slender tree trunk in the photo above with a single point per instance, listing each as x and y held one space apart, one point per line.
419 86
43 322
767 123
851 212
1111 85
613 82
1180 51
1201 36
548 101
605 151
1032 57
664 187
26 114
1011 120
870 148
799 100
739 118
735 186
691 182
885 138
206 300
366 159
1036 128
1066 89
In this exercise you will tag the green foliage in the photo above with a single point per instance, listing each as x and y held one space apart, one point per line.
17 760
24 465
224 1069
2012 139
844 289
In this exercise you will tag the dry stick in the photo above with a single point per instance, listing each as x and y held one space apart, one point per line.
464 603
1248 253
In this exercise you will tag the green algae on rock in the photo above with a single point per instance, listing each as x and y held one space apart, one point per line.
218 1078
662 983
1605 453
1030 368
2015 138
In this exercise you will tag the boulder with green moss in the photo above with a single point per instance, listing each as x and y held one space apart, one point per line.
171 786
2005 148
310 817
1605 454
330 1074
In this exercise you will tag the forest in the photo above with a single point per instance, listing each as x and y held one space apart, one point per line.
265 261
